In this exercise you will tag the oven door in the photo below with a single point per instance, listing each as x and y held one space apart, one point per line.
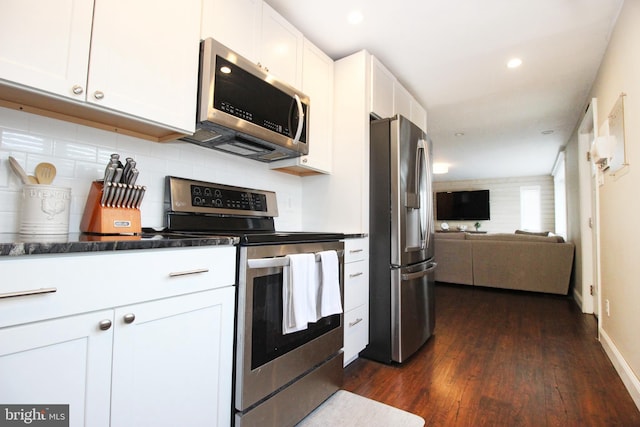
266 359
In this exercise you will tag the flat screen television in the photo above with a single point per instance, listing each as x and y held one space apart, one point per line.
463 205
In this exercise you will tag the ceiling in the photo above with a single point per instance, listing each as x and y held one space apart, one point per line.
452 56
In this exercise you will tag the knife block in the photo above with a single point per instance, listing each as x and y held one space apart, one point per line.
98 219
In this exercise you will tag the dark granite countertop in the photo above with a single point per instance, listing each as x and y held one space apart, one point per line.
356 235
20 245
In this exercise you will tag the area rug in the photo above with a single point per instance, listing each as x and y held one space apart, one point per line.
348 409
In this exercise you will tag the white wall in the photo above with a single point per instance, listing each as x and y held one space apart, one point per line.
81 153
504 199
619 201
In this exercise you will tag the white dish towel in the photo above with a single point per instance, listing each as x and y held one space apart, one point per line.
329 298
299 279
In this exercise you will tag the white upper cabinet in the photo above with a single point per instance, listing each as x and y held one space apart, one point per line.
144 59
141 70
237 24
401 100
45 45
389 97
317 83
381 89
256 31
281 47
418 115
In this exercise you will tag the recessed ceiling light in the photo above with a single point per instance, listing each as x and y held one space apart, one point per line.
355 17
547 132
459 134
514 63
440 168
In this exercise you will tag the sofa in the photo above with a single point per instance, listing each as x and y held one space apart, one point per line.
520 261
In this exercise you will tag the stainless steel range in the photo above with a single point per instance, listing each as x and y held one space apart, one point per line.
279 378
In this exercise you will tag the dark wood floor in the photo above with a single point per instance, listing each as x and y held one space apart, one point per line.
501 358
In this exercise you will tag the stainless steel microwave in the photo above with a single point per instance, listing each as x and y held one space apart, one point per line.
244 110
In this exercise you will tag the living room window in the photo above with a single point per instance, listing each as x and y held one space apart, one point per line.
530 208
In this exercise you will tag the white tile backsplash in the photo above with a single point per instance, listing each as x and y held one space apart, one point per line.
80 154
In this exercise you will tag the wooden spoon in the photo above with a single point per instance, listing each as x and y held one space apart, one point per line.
17 169
45 172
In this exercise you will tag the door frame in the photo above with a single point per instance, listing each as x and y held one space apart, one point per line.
589 218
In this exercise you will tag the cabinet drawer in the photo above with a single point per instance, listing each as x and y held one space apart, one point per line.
61 285
356 331
356 284
356 249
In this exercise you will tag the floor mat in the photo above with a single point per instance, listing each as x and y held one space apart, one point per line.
348 409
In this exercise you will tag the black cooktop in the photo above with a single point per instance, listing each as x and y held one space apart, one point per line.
249 238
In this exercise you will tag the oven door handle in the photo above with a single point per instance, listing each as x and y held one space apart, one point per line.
281 261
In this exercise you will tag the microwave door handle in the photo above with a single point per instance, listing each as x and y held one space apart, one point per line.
296 138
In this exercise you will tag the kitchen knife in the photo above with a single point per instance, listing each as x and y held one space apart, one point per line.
112 195
106 190
118 176
142 191
133 176
109 173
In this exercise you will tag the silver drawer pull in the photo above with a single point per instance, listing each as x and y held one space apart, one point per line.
356 274
186 273
30 292
358 320
355 251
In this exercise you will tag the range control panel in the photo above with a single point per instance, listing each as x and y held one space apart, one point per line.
186 195
212 197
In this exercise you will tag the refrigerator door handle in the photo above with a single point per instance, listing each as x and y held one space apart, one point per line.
419 274
419 199
426 217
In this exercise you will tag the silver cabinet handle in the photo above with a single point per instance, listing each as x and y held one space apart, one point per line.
354 323
186 273
129 318
77 89
355 251
29 292
98 94
104 325
356 274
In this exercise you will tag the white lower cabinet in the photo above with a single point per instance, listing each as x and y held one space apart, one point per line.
356 297
171 360
60 361
159 353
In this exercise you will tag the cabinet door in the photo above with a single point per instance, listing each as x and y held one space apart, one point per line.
144 59
381 89
317 83
418 115
356 332
59 361
401 100
45 44
237 24
172 362
281 47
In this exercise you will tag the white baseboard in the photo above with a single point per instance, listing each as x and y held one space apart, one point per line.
631 382
578 299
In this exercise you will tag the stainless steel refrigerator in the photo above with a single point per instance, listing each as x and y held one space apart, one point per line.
401 227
